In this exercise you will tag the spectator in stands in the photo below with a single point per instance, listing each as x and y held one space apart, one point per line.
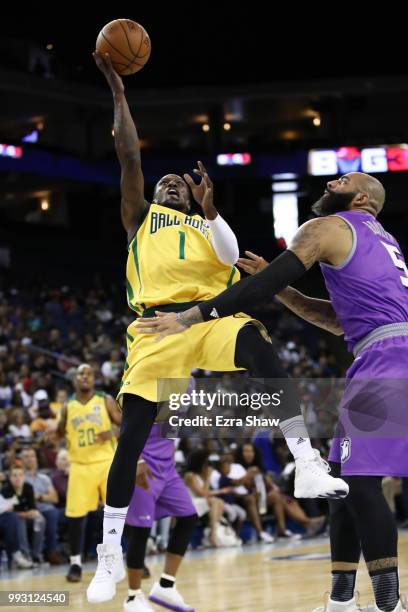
9 532
46 499
112 369
27 513
205 501
60 477
60 399
18 428
249 456
243 493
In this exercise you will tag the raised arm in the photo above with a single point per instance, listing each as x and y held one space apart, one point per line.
127 147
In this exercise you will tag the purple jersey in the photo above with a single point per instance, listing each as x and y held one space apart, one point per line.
158 450
370 288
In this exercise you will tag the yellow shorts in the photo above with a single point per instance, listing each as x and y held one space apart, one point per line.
207 346
86 487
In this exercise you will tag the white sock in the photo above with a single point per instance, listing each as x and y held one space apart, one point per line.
297 437
75 560
134 592
113 524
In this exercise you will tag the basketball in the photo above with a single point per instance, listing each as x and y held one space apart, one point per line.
127 43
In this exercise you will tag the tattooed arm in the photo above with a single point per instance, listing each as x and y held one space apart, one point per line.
315 311
127 148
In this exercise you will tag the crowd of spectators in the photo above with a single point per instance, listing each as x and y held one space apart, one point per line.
45 333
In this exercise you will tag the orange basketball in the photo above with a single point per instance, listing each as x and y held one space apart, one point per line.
127 43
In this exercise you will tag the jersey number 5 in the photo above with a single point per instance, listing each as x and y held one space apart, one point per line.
398 261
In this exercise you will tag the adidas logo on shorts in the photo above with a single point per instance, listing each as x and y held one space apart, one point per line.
214 314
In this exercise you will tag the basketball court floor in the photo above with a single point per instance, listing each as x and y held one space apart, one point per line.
289 577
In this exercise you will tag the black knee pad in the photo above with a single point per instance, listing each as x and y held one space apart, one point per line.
181 534
136 546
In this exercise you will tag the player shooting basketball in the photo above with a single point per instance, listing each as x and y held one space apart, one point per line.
175 260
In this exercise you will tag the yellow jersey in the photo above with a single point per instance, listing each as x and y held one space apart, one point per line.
84 422
171 260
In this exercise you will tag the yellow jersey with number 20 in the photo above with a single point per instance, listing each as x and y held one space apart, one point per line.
84 422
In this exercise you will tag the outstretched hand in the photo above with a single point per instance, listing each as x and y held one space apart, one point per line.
104 63
252 264
203 192
164 324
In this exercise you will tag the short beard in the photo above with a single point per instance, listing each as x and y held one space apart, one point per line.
333 203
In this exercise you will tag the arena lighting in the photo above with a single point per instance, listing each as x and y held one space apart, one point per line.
382 158
205 127
227 127
286 186
284 176
10 151
31 137
234 159
285 215
45 204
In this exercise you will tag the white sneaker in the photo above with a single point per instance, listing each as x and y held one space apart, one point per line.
110 570
169 598
266 537
21 561
401 606
138 604
312 479
339 606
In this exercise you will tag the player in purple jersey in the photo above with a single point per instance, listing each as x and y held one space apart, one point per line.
159 492
367 279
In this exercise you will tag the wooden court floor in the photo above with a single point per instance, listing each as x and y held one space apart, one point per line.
227 580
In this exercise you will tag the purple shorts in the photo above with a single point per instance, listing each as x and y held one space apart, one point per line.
372 434
167 496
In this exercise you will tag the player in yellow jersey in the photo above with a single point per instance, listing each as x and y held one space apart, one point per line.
86 422
176 260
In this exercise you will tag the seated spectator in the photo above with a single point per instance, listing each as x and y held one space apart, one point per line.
27 513
6 392
233 511
249 456
10 533
112 369
17 427
45 420
59 477
46 499
204 500
244 494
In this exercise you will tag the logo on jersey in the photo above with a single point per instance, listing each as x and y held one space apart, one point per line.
345 447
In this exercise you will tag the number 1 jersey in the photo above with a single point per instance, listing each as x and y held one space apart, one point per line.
171 260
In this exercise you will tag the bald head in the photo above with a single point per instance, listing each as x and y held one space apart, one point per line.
366 183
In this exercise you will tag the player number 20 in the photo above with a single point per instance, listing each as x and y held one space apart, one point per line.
398 261
86 437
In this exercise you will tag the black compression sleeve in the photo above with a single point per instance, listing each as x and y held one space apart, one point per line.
254 290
